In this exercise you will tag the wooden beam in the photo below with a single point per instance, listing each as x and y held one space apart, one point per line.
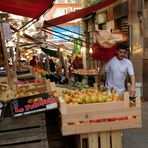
5 56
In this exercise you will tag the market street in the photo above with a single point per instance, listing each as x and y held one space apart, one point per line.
138 138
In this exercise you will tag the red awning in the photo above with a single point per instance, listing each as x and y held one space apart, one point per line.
77 14
28 8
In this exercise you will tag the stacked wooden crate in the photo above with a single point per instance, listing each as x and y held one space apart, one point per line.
27 131
97 118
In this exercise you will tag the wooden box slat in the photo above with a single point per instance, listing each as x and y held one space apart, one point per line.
107 139
100 127
122 112
39 144
24 135
22 122
43 88
83 108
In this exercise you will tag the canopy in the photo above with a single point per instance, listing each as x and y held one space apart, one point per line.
49 52
78 14
28 8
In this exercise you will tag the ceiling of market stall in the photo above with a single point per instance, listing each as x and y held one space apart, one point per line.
28 8
78 14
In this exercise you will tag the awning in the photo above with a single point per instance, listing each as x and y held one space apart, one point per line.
49 52
78 14
28 8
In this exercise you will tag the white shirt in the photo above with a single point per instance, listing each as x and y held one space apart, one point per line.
117 71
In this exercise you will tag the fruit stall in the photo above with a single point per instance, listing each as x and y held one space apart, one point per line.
94 117
22 114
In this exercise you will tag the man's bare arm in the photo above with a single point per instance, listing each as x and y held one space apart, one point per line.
132 89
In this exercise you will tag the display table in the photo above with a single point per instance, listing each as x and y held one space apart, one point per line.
86 74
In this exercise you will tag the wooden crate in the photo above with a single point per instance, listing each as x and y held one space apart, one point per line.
28 131
55 137
79 119
108 139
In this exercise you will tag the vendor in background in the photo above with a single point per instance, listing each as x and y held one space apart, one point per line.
117 69
33 62
69 65
78 64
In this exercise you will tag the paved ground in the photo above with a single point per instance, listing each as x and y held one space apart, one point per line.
138 138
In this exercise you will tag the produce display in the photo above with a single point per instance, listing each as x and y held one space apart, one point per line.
78 85
85 71
22 89
41 71
89 95
28 88
90 110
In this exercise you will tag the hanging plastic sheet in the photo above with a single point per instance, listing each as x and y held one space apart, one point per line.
49 52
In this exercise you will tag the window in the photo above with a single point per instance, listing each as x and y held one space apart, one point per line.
75 9
69 10
71 1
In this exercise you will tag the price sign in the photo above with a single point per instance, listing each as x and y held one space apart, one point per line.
33 104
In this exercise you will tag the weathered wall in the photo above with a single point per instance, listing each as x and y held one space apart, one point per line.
145 54
136 54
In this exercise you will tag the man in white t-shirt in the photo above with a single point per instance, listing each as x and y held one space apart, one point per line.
117 69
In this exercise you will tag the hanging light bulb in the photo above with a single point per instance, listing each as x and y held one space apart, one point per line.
90 51
21 32
83 49
61 49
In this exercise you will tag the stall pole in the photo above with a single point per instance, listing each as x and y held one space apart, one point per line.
16 58
5 56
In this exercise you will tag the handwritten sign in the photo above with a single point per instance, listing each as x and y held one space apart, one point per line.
33 104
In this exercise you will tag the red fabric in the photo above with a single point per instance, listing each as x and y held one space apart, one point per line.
77 14
28 8
102 53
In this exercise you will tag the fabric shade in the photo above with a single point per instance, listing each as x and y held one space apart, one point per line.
49 52
77 14
28 8
102 53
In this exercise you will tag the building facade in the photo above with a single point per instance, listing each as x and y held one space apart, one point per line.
130 17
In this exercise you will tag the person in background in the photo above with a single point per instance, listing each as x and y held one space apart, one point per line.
77 62
69 65
117 69
33 62
52 65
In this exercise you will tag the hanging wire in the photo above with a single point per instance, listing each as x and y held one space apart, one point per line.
42 42
57 35
68 36
70 31
47 31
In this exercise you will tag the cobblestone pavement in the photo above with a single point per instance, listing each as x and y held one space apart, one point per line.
138 138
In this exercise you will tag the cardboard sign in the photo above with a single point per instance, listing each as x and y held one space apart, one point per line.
33 104
1 109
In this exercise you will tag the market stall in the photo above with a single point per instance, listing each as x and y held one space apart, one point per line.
93 115
22 94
